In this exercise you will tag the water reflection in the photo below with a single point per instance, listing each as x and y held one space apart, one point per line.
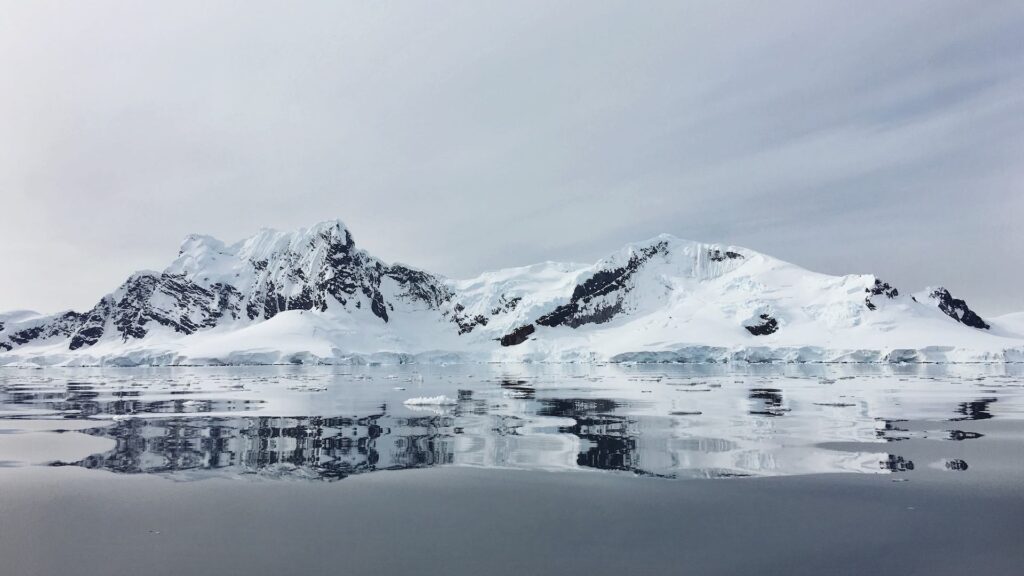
243 422
768 400
610 440
891 431
894 463
976 409
317 447
86 400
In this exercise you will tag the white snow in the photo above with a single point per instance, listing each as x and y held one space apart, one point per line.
681 306
441 400
1008 325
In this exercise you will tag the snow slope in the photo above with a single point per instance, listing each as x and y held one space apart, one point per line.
312 296
1011 325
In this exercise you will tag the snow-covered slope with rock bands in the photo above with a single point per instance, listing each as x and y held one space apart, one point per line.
313 296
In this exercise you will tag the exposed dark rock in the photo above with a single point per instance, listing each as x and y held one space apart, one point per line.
882 288
613 282
228 303
27 335
86 337
272 301
574 316
252 310
131 319
92 325
766 326
957 309
421 286
63 325
506 304
346 271
879 289
720 256
304 301
518 336
377 304
135 310
467 324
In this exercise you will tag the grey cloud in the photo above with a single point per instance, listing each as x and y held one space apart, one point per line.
461 136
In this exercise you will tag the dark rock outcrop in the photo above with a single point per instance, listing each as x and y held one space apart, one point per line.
92 325
766 326
63 325
506 304
614 283
518 336
879 289
957 309
465 322
717 255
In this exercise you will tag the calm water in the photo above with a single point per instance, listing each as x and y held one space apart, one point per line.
624 470
663 421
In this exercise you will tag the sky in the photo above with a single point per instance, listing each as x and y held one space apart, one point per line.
461 136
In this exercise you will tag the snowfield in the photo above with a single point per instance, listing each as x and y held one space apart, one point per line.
311 296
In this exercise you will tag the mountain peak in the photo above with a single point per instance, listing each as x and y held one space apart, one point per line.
333 227
309 293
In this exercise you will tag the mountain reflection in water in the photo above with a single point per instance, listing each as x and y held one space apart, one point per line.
645 421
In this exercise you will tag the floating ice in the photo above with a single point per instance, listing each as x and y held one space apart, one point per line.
441 400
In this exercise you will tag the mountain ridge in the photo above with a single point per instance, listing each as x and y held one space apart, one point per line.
312 295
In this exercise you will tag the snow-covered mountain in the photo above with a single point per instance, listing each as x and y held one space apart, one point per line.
313 296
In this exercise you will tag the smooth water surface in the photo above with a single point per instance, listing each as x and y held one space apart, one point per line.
667 462
665 421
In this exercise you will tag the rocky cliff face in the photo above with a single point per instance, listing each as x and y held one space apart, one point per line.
956 309
211 284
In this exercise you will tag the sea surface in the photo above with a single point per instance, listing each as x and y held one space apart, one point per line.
513 469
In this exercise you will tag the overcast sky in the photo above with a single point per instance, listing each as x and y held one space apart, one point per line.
848 137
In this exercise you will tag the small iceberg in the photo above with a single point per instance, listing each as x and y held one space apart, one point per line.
441 400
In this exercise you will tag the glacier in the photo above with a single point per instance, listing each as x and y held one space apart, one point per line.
311 296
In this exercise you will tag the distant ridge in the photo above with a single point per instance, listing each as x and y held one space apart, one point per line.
312 296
